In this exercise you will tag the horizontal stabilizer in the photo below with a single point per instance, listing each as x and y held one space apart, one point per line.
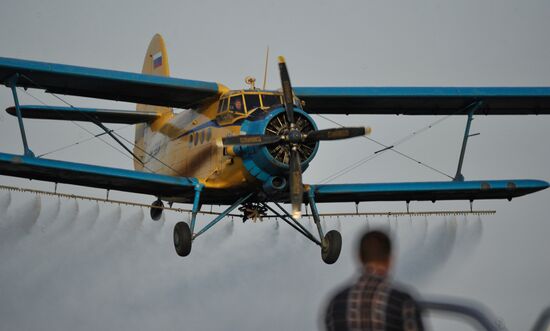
425 100
107 84
428 191
96 176
85 114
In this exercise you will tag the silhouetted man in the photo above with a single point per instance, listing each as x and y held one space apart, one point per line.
373 302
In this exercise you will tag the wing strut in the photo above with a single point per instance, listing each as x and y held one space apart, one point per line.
196 205
222 215
474 107
12 81
299 227
110 133
331 242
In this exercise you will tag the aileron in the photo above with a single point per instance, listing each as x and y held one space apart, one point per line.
95 176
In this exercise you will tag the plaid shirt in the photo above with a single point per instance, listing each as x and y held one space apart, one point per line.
373 304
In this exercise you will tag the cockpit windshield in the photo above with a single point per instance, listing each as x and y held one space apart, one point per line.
252 101
244 102
269 100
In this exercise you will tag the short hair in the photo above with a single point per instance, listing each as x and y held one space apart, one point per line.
375 246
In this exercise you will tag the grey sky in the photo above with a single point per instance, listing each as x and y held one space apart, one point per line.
259 275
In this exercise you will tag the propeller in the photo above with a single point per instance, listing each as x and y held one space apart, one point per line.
312 136
294 138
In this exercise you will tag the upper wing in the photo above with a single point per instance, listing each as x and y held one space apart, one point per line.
97 176
425 100
85 114
107 84
427 191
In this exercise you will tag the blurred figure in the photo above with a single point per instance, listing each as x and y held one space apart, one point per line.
373 302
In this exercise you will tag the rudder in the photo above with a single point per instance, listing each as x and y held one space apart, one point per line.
155 63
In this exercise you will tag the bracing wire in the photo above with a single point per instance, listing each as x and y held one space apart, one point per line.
78 125
79 142
141 149
98 135
386 148
94 136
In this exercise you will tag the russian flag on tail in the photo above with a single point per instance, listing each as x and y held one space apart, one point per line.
157 60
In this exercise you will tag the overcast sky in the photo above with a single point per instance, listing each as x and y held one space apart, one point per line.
90 266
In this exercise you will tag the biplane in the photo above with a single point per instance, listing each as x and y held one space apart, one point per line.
244 147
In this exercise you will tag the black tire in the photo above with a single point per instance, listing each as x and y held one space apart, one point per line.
156 213
331 247
182 239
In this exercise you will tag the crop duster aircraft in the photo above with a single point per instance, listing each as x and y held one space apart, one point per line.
244 147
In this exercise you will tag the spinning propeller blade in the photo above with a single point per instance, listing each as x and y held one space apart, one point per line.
296 187
294 138
337 133
287 91
251 140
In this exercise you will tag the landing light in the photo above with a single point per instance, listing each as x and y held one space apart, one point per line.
368 130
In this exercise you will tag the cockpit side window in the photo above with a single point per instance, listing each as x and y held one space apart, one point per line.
236 104
252 101
269 100
223 106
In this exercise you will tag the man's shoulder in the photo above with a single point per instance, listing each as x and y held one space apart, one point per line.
401 296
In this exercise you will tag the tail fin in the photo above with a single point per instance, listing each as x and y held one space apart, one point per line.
155 63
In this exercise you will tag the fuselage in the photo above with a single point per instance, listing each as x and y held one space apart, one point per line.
188 143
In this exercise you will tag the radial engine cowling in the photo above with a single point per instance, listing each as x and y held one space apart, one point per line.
266 162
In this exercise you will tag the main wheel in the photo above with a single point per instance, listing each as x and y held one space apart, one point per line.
331 247
182 239
156 213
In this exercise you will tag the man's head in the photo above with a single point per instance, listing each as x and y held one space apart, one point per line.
375 249
238 104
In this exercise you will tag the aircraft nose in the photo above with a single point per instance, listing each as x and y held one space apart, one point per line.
295 136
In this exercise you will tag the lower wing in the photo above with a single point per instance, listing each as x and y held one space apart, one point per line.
427 191
97 176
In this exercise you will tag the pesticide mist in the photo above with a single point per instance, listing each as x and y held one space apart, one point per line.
67 264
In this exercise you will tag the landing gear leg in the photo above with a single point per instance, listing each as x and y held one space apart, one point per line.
156 210
183 233
331 243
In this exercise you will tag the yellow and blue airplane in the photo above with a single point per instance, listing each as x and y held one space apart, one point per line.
244 147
